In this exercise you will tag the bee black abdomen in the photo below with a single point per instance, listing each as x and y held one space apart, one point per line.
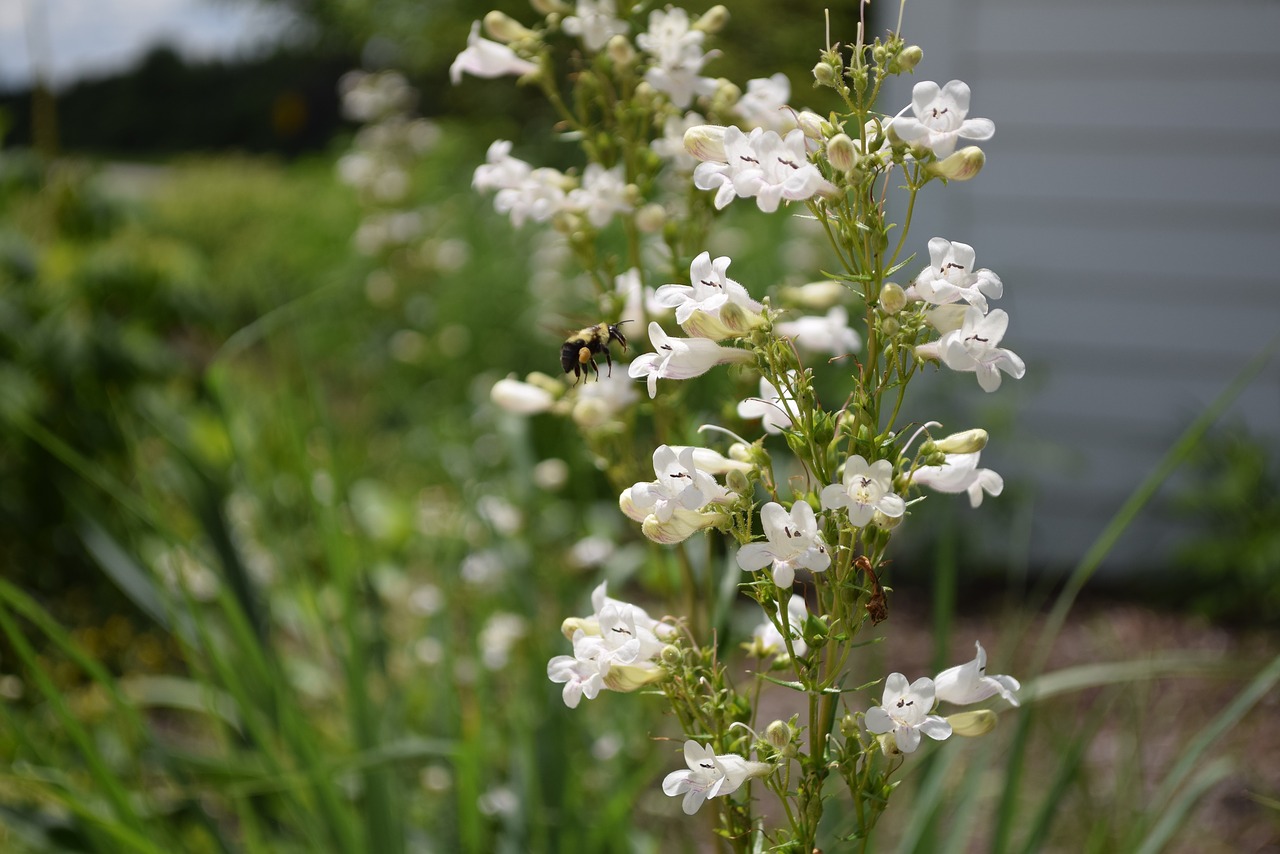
569 354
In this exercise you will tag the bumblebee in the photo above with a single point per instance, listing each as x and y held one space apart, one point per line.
579 350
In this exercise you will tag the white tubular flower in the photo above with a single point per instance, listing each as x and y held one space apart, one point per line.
539 197
822 334
960 473
595 22
710 775
794 541
580 678
969 683
951 276
682 525
973 348
764 104
681 358
866 489
679 484
713 462
678 56
940 118
500 171
712 289
484 58
765 166
603 193
520 398
946 318
770 407
600 599
766 640
904 711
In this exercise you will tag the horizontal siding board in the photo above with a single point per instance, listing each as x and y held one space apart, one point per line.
1131 204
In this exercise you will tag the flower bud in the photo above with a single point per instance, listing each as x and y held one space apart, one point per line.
889 326
841 153
726 95
778 734
545 382
589 626
520 398
972 724
625 678
737 483
960 166
705 142
628 506
824 74
908 59
651 218
885 523
620 50
712 20
889 745
741 452
503 28
892 298
549 7
849 726
965 442
812 125
671 654
682 525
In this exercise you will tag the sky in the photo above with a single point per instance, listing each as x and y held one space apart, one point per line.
86 38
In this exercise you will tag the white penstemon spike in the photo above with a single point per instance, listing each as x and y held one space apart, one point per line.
710 775
904 712
951 277
969 683
762 165
973 348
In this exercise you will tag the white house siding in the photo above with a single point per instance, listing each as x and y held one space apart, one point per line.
1131 204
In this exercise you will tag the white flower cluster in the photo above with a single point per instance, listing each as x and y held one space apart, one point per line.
525 193
684 496
905 710
379 164
615 648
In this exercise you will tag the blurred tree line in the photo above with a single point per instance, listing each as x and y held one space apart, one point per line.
286 102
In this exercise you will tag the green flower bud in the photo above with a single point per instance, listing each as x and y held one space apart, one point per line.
841 153
886 523
503 28
778 734
671 654
712 20
620 50
549 7
737 483
972 724
889 326
814 631
908 59
892 298
651 218
960 166
965 442
824 74
849 726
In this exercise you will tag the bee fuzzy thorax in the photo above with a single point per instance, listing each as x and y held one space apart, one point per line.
579 350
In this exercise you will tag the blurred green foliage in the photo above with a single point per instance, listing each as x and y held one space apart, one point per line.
1232 503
